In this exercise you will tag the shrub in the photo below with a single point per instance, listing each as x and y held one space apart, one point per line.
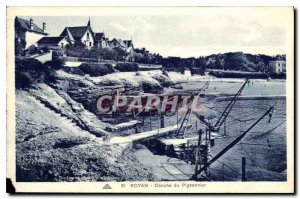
55 64
73 53
31 71
23 80
110 54
31 50
96 69
58 52
50 75
32 66
73 70
45 49
77 50
19 47
127 67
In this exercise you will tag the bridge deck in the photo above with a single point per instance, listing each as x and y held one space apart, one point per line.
143 135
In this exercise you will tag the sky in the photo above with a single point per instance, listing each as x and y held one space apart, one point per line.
186 35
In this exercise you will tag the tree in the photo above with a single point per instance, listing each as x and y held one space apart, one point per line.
121 54
19 47
261 67
110 54
139 57
77 50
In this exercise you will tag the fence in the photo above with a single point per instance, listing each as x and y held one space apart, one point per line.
88 60
146 67
112 62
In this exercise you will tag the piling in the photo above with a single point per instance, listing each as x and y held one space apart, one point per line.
162 121
197 158
244 169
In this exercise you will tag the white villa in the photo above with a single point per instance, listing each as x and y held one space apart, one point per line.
27 33
277 66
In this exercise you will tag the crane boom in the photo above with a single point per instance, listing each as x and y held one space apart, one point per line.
227 110
234 142
188 111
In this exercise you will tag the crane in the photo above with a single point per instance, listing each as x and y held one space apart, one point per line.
187 114
225 113
232 144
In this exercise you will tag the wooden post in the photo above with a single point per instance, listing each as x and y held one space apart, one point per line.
158 125
114 117
244 169
197 155
206 148
143 119
162 121
150 120
206 136
177 121
187 149
117 116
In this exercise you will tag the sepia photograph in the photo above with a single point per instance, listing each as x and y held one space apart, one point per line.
150 99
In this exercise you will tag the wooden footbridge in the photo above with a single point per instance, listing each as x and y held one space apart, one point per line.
145 135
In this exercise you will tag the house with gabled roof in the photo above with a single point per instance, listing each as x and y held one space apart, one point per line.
86 36
117 43
126 45
54 42
100 40
27 33
83 34
129 45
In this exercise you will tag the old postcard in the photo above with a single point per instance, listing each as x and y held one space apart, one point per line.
150 99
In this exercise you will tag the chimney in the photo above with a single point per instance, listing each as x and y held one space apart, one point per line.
44 26
31 23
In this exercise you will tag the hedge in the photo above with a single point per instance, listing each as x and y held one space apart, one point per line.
235 74
94 69
127 66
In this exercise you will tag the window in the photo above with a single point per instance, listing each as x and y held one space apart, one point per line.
88 35
62 45
90 43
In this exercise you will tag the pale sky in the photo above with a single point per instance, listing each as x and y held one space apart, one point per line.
187 36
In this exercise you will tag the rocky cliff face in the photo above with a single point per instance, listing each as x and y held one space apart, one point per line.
58 140
86 90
